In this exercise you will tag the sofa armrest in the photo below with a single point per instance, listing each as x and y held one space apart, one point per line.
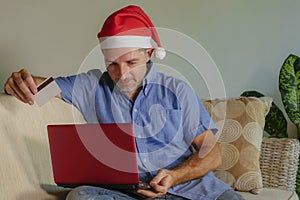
279 163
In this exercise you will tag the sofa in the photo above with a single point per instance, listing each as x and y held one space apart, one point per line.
26 171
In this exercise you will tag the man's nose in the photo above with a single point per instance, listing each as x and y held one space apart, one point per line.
123 70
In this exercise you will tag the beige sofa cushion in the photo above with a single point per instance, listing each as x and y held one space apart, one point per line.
240 123
271 194
24 151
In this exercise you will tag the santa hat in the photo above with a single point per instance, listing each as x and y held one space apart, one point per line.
130 27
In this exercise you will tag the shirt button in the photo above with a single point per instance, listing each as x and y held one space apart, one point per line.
135 110
145 160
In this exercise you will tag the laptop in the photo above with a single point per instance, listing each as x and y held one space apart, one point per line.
94 154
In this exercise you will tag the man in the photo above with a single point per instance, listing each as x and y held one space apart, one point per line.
177 151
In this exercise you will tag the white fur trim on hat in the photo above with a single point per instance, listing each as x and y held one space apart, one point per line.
160 53
125 41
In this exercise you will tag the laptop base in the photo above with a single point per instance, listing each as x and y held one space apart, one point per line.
141 185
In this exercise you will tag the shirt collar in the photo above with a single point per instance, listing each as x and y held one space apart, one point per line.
149 78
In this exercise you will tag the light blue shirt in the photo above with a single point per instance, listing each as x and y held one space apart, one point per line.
167 116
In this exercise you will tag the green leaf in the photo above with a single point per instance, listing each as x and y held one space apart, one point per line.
289 87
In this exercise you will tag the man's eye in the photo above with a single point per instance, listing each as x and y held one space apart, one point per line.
109 64
131 62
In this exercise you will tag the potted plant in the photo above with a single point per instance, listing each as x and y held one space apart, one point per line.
289 87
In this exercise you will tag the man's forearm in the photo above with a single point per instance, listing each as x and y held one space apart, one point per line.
196 166
207 158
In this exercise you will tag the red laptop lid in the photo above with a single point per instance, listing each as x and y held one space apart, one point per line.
93 154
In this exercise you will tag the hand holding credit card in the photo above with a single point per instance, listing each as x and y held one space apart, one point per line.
46 91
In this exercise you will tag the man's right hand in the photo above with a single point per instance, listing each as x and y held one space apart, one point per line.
22 85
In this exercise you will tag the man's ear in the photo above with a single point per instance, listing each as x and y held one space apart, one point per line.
149 52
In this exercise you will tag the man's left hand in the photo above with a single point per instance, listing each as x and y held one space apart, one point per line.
160 184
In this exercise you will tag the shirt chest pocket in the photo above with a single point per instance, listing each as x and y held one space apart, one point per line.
165 124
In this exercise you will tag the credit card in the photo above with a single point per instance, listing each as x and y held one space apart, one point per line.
46 91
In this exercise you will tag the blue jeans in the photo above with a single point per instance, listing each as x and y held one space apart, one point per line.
97 193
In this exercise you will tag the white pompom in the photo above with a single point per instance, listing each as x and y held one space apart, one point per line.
160 53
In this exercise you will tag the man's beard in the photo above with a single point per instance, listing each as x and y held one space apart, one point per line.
128 89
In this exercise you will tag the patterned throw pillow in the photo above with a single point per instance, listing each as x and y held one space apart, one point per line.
240 123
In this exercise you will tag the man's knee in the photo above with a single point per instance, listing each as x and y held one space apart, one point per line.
87 192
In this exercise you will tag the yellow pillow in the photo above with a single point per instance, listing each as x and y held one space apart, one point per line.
240 123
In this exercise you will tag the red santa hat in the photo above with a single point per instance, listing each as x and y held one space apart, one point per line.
130 27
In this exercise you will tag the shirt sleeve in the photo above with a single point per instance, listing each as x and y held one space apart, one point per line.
79 90
196 119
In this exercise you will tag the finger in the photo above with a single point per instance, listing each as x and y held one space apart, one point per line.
20 87
11 88
10 91
160 188
150 193
19 93
157 179
27 77
161 182
161 178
